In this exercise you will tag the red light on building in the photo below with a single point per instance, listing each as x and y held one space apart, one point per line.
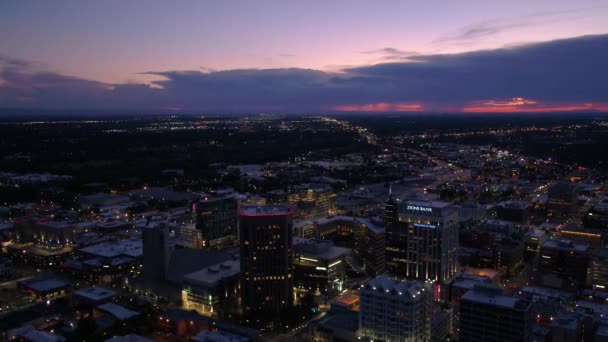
437 291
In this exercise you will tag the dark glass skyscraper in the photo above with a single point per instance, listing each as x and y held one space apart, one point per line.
396 238
216 221
156 253
266 260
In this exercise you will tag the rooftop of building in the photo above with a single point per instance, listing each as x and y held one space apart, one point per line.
538 291
496 222
566 320
96 293
342 320
492 294
129 338
216 197
565 244
55 224
346 299
218 336
324 249
515 204
586 307
468 281
536 233
45 285
311 186
118 311
132 247
184 261
267 210
163 194
387 284
177 315
30 333
428 203
370 223
210 276
39 250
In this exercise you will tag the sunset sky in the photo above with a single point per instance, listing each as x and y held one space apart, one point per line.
305 56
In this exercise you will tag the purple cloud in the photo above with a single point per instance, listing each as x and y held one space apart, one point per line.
568 71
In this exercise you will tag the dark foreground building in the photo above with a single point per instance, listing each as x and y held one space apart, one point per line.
266 261
488 315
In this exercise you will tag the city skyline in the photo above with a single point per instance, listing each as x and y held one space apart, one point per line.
269 56
346 170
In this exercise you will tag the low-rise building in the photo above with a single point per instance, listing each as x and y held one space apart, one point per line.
213 291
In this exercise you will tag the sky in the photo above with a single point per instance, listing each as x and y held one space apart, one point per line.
305 56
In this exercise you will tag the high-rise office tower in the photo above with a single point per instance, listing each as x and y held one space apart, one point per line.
431 229
394 310
216 221
156 252
561 200
396 237
266 259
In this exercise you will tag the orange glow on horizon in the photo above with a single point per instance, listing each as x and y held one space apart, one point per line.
521 105
379 107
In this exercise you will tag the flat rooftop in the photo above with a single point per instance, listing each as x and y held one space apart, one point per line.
268 210
388 284
565 244
324 249
118 311
131 247
429 203
346 299
129 338
218 336
210 276
368 222
30 333
545 292
515 204
492 295
96 293
55 224
45 285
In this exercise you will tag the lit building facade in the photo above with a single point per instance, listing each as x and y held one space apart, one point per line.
394 310
214 290
426 244
312 201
